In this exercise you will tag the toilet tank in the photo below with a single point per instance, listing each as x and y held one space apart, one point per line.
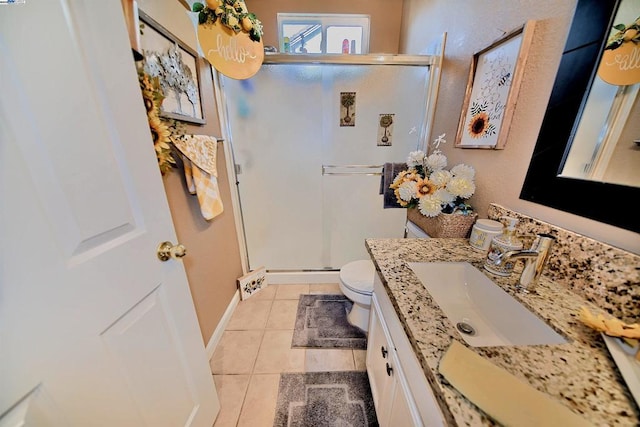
413 231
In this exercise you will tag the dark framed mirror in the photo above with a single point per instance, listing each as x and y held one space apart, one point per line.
605 202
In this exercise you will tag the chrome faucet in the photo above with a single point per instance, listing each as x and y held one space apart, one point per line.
536 257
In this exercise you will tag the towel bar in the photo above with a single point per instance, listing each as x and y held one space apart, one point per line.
360 172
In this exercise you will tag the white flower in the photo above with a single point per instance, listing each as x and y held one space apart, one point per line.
440 177
430 205
415 158
439 140
436 161
407 190
397 180
463 170
444 196
461 186
429 186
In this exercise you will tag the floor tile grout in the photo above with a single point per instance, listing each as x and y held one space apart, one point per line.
252 374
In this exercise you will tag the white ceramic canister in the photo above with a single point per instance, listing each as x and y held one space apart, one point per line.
482 232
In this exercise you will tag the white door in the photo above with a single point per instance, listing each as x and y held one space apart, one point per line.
94 329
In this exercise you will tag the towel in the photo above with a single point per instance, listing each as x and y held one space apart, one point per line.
503 396
389 172
199 153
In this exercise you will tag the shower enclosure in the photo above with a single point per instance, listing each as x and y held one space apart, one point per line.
309 179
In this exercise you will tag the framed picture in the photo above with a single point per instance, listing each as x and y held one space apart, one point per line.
492 90
176 65
252 282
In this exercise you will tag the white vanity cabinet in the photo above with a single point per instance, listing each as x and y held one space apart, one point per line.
401 393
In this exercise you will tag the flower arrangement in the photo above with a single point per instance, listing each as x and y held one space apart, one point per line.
163 131
233 14
432 189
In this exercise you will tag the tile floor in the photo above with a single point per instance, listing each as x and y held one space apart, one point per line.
256 347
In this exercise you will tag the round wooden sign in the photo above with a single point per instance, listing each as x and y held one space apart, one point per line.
233 54
621 66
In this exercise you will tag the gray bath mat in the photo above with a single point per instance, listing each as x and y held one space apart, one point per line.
322 399
321 322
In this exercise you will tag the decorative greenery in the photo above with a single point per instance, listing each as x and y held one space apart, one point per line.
232 13
427 185
625 33
163 131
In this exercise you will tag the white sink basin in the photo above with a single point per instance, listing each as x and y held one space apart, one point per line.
469 298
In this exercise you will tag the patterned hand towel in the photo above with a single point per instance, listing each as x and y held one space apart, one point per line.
199 154
389 172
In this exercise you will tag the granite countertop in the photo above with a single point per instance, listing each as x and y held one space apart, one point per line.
580 374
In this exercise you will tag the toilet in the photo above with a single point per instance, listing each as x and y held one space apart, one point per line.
356 282
412 231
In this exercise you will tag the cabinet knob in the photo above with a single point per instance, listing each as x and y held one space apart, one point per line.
384 352
389 370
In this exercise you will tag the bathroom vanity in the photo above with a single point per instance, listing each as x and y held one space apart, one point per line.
410 334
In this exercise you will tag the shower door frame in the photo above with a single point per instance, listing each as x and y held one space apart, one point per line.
433 61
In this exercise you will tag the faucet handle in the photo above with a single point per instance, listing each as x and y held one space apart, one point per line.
543 242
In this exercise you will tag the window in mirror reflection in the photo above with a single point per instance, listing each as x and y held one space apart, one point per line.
323 33
606 142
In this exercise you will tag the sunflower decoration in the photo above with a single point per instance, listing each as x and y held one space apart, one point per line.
233 14
163 132
480 125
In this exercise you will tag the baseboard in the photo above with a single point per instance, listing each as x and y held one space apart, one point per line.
302 277
222 325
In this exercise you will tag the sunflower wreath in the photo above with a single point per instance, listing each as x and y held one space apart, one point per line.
232 13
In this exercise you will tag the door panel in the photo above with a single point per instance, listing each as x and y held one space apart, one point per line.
135 339
94 329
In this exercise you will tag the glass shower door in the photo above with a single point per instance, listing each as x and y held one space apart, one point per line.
274 132
352 203
299 212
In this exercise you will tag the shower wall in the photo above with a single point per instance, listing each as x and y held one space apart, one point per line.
299 213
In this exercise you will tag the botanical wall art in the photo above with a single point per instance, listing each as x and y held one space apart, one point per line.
176 66
347 108
385 129
492 90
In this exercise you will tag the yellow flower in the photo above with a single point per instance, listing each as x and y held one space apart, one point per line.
163 132
478 125
425 187
399 199
159 132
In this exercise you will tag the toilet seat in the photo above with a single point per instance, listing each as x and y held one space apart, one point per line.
357 276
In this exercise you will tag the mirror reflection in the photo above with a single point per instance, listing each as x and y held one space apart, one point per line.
606 139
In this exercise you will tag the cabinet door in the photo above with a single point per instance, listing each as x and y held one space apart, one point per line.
401 411
378 358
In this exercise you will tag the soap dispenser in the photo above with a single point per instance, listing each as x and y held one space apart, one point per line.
507 241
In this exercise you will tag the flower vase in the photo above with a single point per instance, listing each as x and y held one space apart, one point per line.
443 225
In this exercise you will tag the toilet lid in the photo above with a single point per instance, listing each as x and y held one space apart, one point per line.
358 276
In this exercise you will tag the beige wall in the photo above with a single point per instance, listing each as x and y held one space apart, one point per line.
470 27
213 256
385 17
